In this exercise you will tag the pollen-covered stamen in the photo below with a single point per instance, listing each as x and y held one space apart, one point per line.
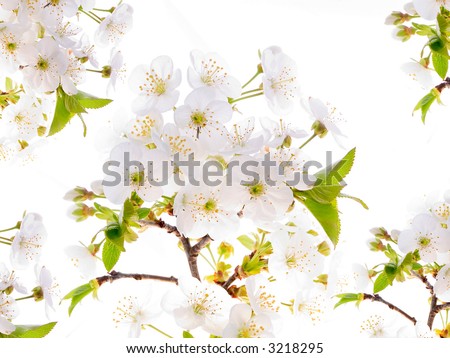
178 144
31 245
265 300
373 325
154 84
7 306
42 64
142 127
285 82
250 330
204 302
127 310
199 119
442 211
212 74
423 241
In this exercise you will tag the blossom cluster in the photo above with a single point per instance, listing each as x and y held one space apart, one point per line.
44 50
284 249
25 252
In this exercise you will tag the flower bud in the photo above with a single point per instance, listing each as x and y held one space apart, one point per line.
38 293
319 129
80 212
225 249
78 194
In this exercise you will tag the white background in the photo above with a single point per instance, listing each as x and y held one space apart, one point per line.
345 54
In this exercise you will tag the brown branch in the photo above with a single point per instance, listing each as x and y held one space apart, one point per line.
377 298
441 86
230 280
425 281
191 252
114 275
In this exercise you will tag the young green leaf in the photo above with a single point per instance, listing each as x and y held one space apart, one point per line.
349 297
77 295
338 171
328 217
425 103
61 116
354 198
110 255
248 242
91 102
34 331
72 105
381 282
187 334
143 213
440 64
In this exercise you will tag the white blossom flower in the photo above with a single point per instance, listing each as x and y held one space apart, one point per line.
114 27
155 86
240 140
204 209
53 12
134 313
144 128
209 70
116 69
196 304
277 132
64 33
136 168
243 324
425 77
266 198
427 236
310 304
46 62
279 79
327 118
202 116
74 74
12 41
8 311
375 327
84 259
294 254
262 297
429 9
9 280
27 244
22 119
85 51
50 291
442 285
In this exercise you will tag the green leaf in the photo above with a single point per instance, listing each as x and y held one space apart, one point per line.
349 297
440 64
328 217
91 102
62 116
187 334
423 30
381 282
77 295
358 200
129 213
143 212
72 105
34 331
105 213
9 85
110 255
248 242
425 103
338 171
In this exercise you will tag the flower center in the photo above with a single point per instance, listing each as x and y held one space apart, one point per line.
160 87
42 64
11 47
424 241
210 205
257 190
137 178
199 119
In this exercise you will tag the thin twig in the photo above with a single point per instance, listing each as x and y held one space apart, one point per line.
230 280
393 307
425 281
191 252
433 311
114 275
